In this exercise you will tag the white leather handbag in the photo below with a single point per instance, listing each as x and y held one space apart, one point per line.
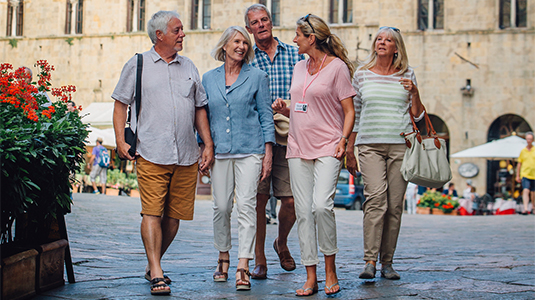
425 162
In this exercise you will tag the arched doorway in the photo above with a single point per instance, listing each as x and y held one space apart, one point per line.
499 178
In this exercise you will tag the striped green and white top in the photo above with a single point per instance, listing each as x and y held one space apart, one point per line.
381 107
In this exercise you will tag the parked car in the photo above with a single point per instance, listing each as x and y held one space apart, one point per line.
349 191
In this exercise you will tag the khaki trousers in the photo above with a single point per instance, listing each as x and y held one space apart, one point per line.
238 176
384 188
314 186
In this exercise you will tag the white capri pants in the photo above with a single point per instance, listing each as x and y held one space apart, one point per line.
314 186
240 177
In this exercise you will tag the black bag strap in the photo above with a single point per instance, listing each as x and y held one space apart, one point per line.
139 71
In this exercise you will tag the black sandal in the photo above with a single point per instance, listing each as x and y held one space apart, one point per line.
157 283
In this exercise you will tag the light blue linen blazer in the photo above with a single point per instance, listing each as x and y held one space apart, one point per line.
241 121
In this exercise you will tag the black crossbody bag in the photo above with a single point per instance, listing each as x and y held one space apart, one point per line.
129 136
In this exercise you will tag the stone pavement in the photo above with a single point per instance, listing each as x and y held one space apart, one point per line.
439 257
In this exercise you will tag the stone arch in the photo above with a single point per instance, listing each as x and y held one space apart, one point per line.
503 126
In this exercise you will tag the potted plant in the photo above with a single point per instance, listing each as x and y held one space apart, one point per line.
426 203
41 145
433 202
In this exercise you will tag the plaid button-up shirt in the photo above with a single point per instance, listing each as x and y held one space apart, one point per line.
280 71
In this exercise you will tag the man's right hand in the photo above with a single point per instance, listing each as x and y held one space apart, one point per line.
122 151
280 107
351 162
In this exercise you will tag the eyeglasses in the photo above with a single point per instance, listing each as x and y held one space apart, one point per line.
393 28
306 20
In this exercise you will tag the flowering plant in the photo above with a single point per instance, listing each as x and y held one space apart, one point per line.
435 199
41 145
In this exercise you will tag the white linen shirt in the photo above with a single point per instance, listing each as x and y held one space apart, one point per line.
170 92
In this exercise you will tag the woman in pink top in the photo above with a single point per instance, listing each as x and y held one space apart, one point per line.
321 118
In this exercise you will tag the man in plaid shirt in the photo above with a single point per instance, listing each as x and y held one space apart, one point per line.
277 59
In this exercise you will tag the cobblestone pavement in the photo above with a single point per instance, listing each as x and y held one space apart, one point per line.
438 257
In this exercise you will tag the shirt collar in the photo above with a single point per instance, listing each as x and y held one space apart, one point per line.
279 45
156 57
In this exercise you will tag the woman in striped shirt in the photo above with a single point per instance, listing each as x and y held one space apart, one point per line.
386 92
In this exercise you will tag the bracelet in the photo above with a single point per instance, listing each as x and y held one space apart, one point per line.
343 136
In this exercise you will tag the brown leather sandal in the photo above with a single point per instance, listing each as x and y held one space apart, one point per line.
220 272
246 284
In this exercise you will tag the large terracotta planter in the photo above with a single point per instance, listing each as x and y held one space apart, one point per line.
423 210
51 258
18 275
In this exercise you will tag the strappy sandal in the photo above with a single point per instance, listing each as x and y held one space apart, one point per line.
157 283
243 286
220 272
165 277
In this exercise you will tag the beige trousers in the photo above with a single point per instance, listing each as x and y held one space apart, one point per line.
384 188
314 186
238 177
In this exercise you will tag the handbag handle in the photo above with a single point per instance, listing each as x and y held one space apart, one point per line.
431 133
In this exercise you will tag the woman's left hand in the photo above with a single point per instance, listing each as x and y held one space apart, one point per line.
340 150
266 162
408 85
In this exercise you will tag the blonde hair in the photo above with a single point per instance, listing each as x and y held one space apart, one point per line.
219 54
400 61
326 41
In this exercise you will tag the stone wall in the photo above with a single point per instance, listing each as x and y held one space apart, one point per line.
499 63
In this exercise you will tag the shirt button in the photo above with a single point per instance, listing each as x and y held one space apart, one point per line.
227 104
228 118
228 130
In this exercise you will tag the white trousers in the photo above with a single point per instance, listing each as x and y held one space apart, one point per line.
240 177
314 186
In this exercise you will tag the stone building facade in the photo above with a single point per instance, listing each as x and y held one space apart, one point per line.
474 60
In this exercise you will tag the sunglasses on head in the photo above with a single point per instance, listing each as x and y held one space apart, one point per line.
306 20
393 28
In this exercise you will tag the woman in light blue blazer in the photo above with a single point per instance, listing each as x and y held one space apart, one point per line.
241 123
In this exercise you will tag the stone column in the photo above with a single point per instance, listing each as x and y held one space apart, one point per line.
15 5
74 6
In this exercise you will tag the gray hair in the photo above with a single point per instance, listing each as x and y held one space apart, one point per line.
529 133
256 7
159 21
219 54
28 70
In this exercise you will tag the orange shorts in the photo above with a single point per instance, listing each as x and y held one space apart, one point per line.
167 189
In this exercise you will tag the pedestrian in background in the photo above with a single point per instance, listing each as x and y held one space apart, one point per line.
167 154
322 116
410 197
386 94
525 173
96 169
278 60
450 191
241 122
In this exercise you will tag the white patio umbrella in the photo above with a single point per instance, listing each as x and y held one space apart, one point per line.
506 148
107 135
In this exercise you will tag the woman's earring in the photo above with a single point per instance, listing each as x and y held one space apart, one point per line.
395 55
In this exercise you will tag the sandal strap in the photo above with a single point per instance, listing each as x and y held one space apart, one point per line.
220 263
157 282
243 272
